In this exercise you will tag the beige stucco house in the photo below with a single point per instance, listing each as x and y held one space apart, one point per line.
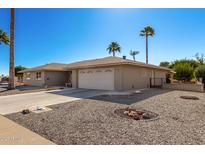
109 73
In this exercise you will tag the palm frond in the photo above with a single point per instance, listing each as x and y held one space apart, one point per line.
4 37
114 47
147 31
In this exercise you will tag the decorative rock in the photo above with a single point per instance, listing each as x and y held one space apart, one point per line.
137 117
126 112
132 113
146 116
140 112
26 111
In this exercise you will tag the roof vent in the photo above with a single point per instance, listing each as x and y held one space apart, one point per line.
124 57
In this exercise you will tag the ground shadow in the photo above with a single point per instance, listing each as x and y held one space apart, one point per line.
133 98
77 93
121 99
19 89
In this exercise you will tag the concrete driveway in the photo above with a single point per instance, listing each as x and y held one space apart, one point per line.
18 102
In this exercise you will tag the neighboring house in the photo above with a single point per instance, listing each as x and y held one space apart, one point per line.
109 73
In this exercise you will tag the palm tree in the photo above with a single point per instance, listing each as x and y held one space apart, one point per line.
134 53
113 48
4 37
11 60
147 31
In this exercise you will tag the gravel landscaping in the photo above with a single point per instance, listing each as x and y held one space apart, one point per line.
93 121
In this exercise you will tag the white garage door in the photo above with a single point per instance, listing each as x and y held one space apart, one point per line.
96 79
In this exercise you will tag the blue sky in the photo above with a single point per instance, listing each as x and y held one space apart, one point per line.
67 35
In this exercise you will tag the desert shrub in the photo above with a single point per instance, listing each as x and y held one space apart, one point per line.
200 73
184 72
193 63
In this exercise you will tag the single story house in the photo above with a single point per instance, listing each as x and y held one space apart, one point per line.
109 73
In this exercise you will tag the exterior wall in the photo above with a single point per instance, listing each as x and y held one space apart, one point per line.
33 81
158 77
56 78
185 87
128 77
132 77
74 78
118 78
135 77
49 78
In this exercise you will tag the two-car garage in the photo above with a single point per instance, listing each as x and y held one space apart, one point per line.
102 78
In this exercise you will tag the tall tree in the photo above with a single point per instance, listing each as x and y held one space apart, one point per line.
147 31
113 48
11 60
134 53
4 37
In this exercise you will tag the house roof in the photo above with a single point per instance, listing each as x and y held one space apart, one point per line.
110 61
101 62
46 67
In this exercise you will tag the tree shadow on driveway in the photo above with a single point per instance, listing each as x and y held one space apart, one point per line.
132 98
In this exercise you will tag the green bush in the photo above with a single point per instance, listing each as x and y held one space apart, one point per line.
164 64
193 63
184 72
200 73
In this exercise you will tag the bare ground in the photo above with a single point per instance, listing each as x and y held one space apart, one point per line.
92 121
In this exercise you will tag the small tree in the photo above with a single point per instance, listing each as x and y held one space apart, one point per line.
133 54
17 69
164 64
200 73
184 72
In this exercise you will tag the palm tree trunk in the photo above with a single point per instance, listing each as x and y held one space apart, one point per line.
11 61
113 54
146 49
134 58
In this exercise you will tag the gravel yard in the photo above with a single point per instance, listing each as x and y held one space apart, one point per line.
93 121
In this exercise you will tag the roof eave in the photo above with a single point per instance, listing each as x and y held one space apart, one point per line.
116 64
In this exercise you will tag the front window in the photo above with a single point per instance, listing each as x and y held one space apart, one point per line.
28 76
38 75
